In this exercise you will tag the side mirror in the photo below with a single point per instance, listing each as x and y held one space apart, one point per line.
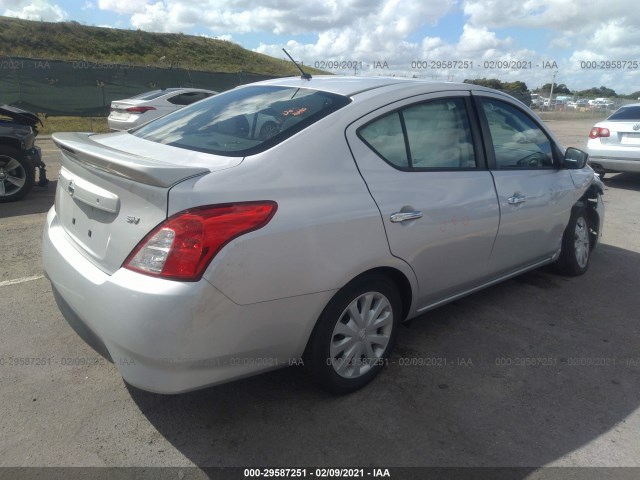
574 159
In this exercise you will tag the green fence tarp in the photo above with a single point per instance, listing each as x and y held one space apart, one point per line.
82 88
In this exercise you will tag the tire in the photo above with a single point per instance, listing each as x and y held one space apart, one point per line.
344 352
16 175
576 245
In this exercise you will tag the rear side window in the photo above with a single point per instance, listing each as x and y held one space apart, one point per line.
188 98
626 113
244 121
386 138
430 135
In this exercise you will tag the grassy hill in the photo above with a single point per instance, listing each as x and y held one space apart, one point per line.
73 41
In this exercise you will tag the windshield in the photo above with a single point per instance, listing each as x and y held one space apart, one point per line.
243 121
626 113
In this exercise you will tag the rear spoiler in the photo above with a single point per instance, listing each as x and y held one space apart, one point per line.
80 148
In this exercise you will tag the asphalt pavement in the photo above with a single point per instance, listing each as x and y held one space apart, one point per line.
541 370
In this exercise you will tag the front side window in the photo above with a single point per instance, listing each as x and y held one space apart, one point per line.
430 135
517 141
244 121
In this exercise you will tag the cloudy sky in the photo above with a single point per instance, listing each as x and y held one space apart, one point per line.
587 42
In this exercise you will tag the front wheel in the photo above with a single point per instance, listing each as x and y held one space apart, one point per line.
576 245
354 335
16 175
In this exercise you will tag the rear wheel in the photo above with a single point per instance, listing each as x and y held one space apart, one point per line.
354 335
16 175
576 245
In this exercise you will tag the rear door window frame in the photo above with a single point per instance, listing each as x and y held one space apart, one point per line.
476 135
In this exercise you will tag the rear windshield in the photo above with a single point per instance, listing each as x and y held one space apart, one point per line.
243 121
154 94
626 113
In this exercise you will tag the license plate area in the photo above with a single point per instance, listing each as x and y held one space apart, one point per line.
119 116
630 139
89 225
86 225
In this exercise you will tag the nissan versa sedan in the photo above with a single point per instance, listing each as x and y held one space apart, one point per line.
191 252
614 144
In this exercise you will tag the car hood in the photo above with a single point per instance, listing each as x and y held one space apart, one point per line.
23 117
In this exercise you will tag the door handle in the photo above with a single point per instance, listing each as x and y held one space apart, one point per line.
516 199
405 216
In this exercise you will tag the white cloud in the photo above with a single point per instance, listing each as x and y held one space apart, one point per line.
123 6
279 17
397 33
562 15
40 10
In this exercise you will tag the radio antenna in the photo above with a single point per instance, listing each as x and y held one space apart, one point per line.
304 75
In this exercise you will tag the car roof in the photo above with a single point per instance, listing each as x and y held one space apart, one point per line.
350 86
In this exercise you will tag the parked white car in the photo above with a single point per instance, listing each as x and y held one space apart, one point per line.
614 144
135 111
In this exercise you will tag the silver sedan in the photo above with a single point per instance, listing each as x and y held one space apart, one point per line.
195 250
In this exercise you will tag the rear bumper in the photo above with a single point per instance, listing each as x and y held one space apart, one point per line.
171 337
613 158
613 164
117 125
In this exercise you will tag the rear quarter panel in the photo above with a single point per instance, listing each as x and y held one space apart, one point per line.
326 231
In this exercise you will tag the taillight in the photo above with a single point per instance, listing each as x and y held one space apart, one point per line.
182 246
139 109
597 132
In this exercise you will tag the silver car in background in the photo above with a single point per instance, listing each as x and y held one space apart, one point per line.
192 251
614 144
135 111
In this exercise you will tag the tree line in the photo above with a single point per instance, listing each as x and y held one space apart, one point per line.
560 89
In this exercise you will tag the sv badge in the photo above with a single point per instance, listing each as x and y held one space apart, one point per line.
133 220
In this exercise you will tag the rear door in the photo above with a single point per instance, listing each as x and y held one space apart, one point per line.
534 193
423 164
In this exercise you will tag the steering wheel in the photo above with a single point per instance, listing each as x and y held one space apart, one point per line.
536 159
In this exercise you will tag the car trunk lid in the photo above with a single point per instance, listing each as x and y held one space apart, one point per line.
109 198
623 134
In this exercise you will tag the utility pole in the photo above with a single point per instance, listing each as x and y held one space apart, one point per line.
553 81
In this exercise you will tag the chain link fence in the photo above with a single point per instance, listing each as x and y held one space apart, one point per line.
85 89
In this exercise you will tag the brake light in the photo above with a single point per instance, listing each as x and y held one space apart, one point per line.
182 246
139 109
597 132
